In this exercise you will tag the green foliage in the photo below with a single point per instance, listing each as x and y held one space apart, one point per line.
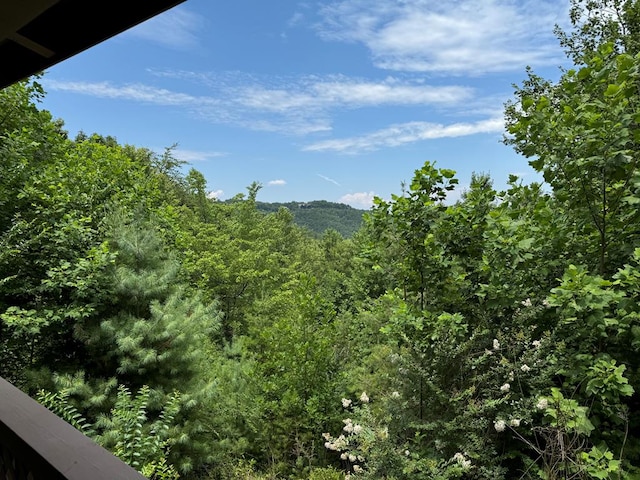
58 403
300 376
130 434
319 216
600 21
404 227
128 431
498 336
582 133
364 448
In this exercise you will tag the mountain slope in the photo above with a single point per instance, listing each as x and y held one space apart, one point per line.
320 215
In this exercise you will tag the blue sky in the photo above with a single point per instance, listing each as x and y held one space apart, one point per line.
332 100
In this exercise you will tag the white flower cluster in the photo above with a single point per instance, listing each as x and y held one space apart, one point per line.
526 303
350 427
496 344
505 388
542 404
501 425
343 445
461 460
335 444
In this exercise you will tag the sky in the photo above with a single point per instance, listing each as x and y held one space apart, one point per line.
338 100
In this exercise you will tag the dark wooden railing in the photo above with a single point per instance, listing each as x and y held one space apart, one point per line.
35 444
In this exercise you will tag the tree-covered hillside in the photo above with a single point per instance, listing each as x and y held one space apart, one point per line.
320 215
497 338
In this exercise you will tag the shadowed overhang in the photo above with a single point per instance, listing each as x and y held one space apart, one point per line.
36 34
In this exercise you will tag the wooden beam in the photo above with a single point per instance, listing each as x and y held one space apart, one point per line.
31 45
16 14
48 448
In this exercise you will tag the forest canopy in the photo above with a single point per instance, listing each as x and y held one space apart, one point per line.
496 337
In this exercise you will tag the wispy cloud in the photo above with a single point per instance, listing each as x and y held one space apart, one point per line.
358 200
330 180
296 19
134 92
404 133
315 92
276 183
291 105
177 28
455 37
343 92
195 155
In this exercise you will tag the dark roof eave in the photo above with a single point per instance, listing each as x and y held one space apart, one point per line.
63 29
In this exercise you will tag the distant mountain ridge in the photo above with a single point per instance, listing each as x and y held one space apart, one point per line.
320 215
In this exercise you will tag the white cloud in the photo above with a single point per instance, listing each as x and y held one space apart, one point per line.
276 183
404 133
330 180
455 37
195 156
135 92
217 194
296 19
347 93
176 28
291 105
358 200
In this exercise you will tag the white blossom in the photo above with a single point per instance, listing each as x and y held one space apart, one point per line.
462 461
344 456
407 453
496 344
357 469
542 404
525 368
499 425
346 403
364 398
526 303
395 395
515 422
536 343
505 388
352 457
348 428
357 429
511 376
